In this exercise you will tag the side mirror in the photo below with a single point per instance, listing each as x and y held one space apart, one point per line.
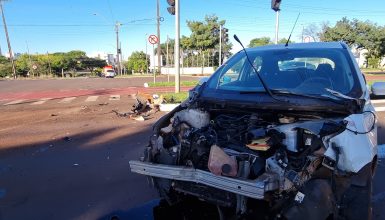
203 80
378 88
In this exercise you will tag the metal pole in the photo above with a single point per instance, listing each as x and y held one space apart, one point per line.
8 41
153 60
176 50
167 64
117 47
276 26
220 45
146 57
303 28
158 33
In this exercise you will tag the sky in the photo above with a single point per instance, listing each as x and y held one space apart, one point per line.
42 26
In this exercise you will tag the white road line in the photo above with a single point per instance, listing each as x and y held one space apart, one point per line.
67 100
41 101
115 97
15 102
381 151
92 98
379 109
378 101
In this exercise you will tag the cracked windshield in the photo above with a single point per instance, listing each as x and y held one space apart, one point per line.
176 109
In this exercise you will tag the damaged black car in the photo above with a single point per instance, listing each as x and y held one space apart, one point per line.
277 132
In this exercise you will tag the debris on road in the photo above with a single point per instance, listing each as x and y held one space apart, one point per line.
54 115
105 103
146 105
67 139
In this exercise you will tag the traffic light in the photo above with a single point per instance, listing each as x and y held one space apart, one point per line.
275 5
171 9
225 34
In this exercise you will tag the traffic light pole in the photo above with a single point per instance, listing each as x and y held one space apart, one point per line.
158 33
220 45
276 26
177 51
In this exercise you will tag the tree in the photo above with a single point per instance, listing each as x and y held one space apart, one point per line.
5 67
261 41
312 30
204 37
137 62
284 40
358 34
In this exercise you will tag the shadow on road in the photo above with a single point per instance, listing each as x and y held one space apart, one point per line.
68 178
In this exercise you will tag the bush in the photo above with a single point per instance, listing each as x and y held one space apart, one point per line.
5 70
373 62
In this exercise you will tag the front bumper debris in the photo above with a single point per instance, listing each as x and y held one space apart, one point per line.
250 188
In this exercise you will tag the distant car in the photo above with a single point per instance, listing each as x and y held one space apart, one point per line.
110 74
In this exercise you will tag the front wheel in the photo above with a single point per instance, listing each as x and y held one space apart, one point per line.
357 199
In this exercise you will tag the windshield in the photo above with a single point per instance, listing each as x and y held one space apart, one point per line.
306 71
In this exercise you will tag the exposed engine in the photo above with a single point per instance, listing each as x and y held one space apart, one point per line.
232 159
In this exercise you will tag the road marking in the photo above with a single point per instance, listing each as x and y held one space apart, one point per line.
66 100
41 101
381 151
378 101
115 97
92 98
15 102
379 109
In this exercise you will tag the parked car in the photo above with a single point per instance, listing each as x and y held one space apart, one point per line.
265 142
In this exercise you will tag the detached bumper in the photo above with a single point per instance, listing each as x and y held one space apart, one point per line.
250 188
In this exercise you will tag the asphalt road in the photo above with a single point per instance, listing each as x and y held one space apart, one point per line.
38 85
68 158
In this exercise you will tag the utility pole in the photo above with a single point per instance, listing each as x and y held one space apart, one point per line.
117 24
220 45
167 64
146 56
176 50
158 33
8 41
30 60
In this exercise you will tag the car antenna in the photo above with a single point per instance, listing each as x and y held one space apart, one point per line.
287 42
256 71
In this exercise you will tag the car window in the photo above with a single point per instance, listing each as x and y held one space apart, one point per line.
231 74
308 71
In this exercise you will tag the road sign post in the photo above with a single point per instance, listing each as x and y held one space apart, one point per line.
153 39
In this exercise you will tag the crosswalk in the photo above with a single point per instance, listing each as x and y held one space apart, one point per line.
379 104
66 100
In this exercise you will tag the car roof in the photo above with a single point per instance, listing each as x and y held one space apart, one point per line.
314 45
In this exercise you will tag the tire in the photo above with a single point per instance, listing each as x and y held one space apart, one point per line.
357 199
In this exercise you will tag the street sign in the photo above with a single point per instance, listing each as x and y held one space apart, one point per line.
153 39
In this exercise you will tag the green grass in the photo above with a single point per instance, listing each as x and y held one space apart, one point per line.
175 98
169 84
